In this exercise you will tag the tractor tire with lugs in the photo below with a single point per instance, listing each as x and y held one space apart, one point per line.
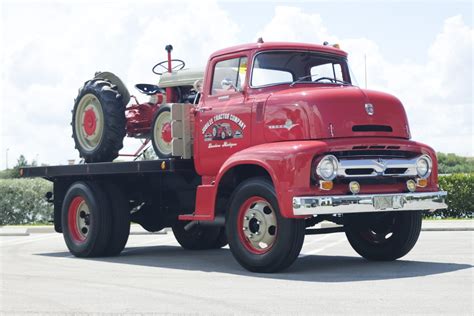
98 121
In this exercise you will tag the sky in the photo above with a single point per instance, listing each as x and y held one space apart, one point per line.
420 51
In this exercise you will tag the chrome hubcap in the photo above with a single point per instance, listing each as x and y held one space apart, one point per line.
89 122
260 225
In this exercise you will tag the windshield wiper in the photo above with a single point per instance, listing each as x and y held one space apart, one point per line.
333 80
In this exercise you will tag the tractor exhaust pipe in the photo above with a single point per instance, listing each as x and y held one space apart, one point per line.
169 90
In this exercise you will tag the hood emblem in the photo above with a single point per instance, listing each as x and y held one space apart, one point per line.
288 125
369 108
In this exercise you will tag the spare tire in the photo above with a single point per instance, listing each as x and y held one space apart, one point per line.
98 121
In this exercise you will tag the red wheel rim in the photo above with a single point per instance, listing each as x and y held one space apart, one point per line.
76 219
166 132
257 225
89 122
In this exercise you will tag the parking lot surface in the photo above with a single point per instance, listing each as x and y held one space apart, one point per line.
155 276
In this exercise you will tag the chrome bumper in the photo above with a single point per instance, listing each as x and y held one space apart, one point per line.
316 205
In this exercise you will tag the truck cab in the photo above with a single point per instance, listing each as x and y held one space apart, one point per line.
297 115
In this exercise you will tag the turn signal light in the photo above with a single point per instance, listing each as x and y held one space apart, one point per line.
325 185
411 185
421 183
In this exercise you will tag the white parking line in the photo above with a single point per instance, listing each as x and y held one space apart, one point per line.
314 240
160 242
25 240
317 250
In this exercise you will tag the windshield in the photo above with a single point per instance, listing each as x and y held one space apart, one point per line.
293 67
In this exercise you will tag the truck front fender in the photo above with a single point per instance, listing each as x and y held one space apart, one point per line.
287 163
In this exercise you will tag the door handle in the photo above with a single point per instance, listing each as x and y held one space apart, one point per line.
205 108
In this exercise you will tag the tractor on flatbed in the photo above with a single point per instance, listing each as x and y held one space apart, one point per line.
268 141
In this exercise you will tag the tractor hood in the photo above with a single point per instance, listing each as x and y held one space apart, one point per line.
333 112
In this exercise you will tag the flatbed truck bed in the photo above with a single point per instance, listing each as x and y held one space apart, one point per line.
109 168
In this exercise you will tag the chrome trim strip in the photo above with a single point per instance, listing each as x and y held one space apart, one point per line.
342 204
378 165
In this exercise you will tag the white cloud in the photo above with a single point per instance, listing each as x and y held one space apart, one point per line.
50 49
47 59
437 94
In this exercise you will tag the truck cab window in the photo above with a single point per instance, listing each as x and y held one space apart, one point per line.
229 76
293 67
327 70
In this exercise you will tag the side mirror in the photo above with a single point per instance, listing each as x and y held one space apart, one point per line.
227 83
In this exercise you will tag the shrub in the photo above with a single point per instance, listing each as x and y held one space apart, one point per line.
22 201
460 188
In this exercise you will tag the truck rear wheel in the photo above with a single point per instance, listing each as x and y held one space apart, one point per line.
98 121
86 220
383 236
161 132
221 240
260 239
197 237
120 215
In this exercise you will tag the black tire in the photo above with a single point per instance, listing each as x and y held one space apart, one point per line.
99 228
384 236
120 226
289 233
113 131
197 238
159 152
221 240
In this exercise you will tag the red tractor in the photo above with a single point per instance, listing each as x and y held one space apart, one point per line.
101 117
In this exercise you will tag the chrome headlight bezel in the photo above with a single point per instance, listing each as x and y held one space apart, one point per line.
327 161
425 171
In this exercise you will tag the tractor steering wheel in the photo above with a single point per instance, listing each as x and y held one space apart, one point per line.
164 64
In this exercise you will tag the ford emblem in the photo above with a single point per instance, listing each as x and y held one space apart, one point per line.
369 108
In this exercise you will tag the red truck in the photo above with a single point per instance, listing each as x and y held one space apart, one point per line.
300 144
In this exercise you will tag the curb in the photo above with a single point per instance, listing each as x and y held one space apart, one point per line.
136 230
10 231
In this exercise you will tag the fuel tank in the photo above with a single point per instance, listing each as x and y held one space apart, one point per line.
323 112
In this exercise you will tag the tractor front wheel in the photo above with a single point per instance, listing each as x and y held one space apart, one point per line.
161 132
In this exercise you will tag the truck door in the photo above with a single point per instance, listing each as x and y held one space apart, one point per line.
223 117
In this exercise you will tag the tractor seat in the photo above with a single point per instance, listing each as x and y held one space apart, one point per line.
149 89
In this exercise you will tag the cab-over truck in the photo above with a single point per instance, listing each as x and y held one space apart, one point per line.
270 140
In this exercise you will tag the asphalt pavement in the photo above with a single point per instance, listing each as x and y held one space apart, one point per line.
155 276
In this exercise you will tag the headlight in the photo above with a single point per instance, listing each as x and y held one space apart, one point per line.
423 166
327 168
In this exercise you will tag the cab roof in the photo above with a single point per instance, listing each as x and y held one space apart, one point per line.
279 45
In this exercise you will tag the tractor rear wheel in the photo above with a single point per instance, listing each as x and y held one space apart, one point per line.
98 121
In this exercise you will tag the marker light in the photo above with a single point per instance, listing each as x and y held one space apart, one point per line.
325 185
421 182
354 187
411 185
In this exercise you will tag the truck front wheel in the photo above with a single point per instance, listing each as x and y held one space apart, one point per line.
384 236
260 239
86 220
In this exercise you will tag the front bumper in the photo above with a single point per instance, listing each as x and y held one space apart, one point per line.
341 204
